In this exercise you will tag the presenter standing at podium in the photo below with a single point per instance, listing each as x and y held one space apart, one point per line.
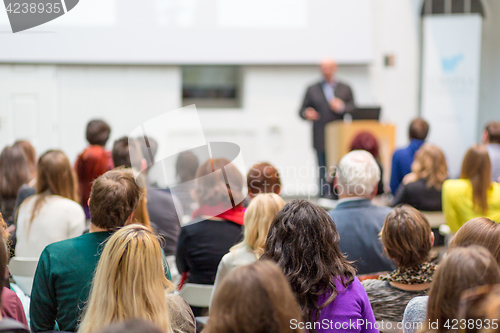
325 101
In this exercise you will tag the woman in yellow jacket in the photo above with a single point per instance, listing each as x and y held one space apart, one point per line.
473 195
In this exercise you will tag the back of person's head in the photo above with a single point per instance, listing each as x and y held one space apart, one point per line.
430 164
14 171
129 282
98 132
479 231
419 129
132 326
358 174
30 153
480 308
258 217
462 268
213 185
476 167
54 177
113 198
407 236
493 132
304 242
252 299
263 178
365 141
186 165
127 153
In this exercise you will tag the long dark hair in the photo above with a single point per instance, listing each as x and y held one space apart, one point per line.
14 171
304 242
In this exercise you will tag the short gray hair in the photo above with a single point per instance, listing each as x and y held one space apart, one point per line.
357 174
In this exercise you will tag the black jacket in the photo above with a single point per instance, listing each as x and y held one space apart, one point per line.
315 98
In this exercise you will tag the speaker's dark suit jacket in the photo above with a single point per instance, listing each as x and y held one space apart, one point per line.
315 98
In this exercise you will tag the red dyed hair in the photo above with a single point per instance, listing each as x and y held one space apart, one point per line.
92 163
365 141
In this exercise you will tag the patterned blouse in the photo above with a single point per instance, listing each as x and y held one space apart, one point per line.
388 302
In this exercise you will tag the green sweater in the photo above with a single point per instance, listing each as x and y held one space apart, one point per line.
63 279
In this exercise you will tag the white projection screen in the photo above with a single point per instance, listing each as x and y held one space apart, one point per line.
197 32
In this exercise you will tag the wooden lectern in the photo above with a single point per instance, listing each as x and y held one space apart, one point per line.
339 136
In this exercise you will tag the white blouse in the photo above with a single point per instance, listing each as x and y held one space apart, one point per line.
57 219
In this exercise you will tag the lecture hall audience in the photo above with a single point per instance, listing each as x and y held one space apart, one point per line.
130 283
271 264
94 160
462 268
304 242
407 239
474 194
258 217
65 270
53 214
403 158
254 298
358 221
421 188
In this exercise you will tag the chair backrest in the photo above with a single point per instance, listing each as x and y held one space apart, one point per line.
435 218
23 271
196 294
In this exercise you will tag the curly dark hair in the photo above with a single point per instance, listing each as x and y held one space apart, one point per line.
304 242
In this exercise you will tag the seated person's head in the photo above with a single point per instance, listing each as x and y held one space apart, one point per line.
430 164
357 175
481 306
476 167
419 129
186 165
407 237
129 282
113 199
491 133
365 141
462 268
263 178
254 298
258 217
479 231
98 132
303 240
127 153
211 188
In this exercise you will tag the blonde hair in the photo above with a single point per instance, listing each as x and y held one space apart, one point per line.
129 282
258 218
430 164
